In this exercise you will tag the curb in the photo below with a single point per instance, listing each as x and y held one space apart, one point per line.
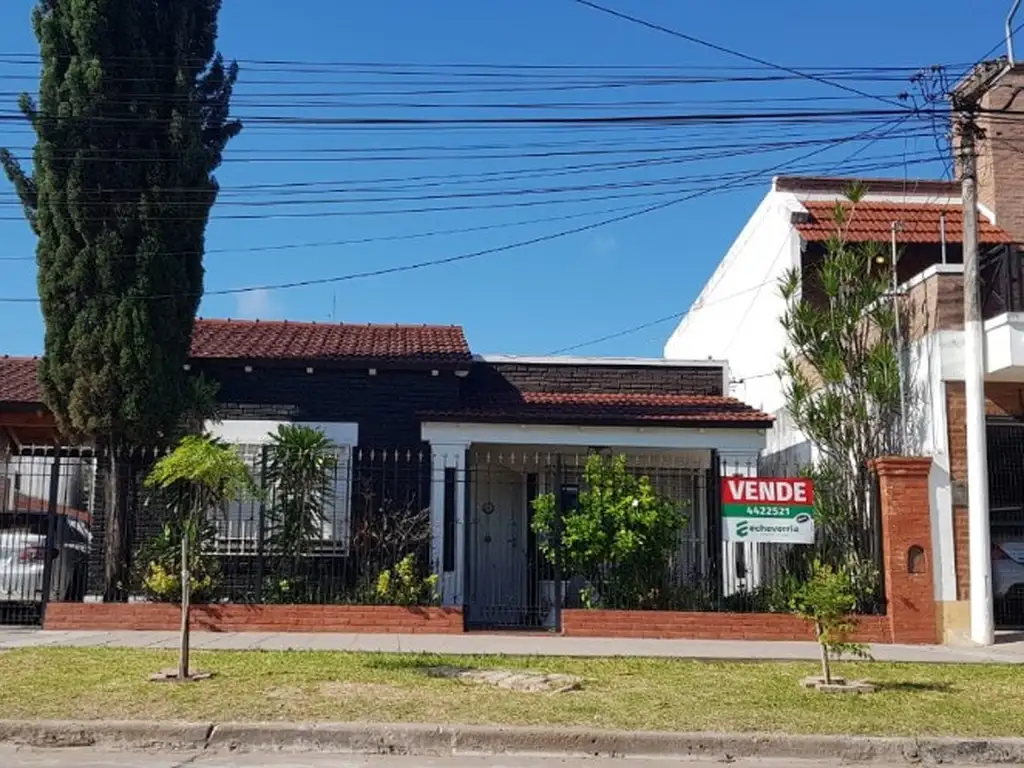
106 733
440 740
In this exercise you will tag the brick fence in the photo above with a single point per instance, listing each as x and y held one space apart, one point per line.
256 618
708 626
908 572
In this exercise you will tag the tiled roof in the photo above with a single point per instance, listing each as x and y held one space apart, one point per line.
32 505
871 221
281 340
19 380
610 409
259 340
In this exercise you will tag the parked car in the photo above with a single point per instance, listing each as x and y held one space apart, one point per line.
24 554
1008 579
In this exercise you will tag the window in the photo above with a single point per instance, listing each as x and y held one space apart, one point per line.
238 525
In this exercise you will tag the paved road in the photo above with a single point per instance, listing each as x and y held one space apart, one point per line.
86 758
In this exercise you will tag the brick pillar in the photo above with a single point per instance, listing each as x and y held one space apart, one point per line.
907 548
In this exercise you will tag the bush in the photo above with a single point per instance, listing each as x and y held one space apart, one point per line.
161 572
403 585
620 537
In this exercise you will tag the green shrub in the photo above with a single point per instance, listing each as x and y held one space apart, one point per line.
160 577
403 585
620 536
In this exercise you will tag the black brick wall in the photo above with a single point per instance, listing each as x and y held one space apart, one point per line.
506 378
385 406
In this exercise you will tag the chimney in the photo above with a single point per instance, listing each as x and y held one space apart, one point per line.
1000 92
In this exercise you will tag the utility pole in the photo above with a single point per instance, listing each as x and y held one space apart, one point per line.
979 533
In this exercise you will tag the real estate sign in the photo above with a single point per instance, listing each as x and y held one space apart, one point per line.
762 510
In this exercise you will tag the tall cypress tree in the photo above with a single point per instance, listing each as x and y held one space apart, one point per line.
131 121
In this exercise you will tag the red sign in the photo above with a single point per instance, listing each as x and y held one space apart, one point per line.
782 491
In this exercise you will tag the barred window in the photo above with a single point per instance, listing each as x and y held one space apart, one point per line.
243 526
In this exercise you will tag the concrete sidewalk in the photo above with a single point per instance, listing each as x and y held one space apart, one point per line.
1010 652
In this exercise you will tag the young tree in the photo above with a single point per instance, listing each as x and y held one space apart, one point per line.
131 121
201 476
841 377
827 599
620 535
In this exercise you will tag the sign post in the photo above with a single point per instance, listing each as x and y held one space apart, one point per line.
768 510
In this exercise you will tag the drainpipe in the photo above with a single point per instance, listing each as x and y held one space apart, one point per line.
1009 33
942 235
896 227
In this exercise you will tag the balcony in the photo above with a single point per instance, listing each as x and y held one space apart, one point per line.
933 298
1002 306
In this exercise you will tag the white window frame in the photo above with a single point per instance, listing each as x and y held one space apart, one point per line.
255 433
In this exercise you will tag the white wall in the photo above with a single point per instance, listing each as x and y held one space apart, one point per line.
736 317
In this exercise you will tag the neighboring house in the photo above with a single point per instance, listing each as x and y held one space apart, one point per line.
471 441
736 316
27 437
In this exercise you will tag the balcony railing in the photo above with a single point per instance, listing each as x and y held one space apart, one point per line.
1002 281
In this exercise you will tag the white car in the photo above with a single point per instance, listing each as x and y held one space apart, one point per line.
24 552
1008 580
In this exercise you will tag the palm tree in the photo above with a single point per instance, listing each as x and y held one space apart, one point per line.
300 475
202 476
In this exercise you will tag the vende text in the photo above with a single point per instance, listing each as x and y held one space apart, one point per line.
769 490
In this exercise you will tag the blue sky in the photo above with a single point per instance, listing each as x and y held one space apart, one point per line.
543 297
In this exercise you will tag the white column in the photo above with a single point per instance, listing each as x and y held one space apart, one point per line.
744 464
445 457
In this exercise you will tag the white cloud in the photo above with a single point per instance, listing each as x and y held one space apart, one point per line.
256 305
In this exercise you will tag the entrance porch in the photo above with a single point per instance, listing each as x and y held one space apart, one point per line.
487 478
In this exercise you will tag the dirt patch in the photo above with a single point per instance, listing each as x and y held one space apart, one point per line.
339 689
285 693
518 680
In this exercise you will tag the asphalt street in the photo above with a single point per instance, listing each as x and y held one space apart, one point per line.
89 758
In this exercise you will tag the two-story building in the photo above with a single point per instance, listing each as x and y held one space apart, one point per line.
741 304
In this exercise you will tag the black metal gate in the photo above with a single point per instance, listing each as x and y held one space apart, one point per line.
513 575
1005 439
44 531
510 583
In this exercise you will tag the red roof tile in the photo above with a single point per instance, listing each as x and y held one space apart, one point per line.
871 221
19 380
610 409
283 340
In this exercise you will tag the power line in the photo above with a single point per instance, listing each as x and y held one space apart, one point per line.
707 118
357 196
699 305
732 52
367 240
619 334
486 251
547 201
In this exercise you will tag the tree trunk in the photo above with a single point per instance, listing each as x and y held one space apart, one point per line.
826 667
186 585
115 563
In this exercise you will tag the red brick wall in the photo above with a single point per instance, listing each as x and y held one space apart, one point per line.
708 626
1002 399
1000 162
255 618
907 526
